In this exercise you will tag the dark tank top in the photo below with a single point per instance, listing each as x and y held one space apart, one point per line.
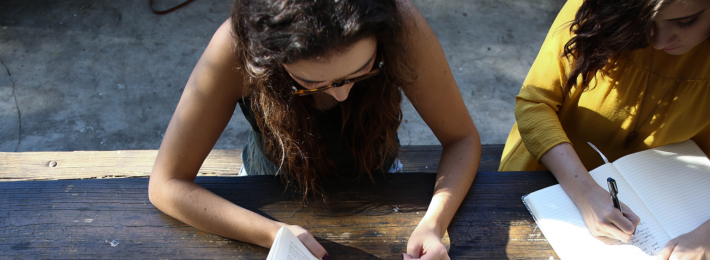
328 124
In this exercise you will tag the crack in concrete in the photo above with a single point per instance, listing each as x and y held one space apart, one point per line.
19 114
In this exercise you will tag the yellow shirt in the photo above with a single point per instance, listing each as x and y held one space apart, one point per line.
607 112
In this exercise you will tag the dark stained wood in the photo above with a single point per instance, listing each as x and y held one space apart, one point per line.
139 163
113 218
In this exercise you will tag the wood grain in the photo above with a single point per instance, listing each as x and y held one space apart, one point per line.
139 163
102 164
112 218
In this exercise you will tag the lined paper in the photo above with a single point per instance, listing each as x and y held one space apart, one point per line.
674 183
627 195
563 225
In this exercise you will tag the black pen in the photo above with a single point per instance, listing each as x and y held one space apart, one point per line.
614 190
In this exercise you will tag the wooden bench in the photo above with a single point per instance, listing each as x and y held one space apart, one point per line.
113 218
105 215
139 163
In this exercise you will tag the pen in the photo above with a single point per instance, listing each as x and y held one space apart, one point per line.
614 190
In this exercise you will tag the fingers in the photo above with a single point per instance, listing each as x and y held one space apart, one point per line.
622 223
414 250
617 233
604 220
620 226
629 214
612 231
432 252
665 254
310 242
435 255
609 227
427 257
613 225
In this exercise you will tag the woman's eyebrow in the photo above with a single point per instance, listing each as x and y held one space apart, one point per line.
686 17
318 82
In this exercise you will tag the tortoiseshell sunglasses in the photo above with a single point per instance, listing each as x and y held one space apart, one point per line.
305 92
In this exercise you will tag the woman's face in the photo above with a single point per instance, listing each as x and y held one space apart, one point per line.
681 25
320 72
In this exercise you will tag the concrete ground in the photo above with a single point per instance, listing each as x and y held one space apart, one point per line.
107 75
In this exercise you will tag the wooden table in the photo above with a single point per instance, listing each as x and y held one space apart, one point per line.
113 218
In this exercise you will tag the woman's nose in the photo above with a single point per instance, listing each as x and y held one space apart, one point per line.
341 93
662 38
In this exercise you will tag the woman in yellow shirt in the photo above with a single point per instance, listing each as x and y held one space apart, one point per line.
626 76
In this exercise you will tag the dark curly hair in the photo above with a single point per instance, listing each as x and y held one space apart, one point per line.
605 29
270 33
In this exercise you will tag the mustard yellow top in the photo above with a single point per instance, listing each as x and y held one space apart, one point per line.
607 112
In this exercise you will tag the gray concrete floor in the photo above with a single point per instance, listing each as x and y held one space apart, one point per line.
107 75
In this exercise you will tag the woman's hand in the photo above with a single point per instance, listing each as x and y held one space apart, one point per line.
425 244
310 241
593 201
694 245
602 218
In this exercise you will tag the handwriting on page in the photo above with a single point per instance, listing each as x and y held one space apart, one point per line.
645 240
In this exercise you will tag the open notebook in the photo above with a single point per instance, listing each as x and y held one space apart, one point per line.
667 187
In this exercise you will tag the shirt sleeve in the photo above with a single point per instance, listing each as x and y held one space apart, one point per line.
542 95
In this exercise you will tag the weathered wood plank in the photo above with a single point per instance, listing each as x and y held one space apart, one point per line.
139 163
113 218
102 164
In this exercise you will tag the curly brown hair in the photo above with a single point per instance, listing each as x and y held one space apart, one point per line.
270 33
603 30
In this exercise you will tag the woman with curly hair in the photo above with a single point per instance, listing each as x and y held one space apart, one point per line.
321 85
626 76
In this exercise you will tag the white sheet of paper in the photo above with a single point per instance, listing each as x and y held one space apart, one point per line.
287 246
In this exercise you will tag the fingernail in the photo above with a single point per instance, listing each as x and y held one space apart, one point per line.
326 256
403 255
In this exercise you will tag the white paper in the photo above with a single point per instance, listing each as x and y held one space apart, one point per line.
287 246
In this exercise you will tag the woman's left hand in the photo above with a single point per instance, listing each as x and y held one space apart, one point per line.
693 245
425 244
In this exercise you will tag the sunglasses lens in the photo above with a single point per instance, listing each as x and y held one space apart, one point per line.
340 84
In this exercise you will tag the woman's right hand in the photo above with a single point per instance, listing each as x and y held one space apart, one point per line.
309 241
602 218
593 201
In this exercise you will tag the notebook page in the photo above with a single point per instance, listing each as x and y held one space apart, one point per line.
563 226
288 246
275 244
674 183
650 235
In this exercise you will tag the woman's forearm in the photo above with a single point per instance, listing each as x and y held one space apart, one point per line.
565 165
200 208
457 169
